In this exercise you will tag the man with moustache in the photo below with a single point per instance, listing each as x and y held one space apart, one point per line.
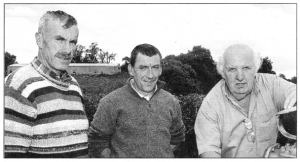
140 119
44 114
238 116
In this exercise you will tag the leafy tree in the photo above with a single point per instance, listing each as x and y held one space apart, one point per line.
202 62
180 78
92 52
266 66
9 59
77 58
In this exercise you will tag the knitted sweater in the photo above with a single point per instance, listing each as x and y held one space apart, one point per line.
44 117
131 126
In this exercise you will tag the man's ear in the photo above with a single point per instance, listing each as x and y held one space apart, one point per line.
130 70
38 39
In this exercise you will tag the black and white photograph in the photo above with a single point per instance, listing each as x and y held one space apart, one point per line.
149 79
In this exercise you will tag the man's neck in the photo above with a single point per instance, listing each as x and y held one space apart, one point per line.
244 101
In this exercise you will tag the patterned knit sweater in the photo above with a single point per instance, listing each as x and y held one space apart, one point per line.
131 126
44 117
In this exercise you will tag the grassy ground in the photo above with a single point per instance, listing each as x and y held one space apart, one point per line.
101 84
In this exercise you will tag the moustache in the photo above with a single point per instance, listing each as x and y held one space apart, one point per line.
64 56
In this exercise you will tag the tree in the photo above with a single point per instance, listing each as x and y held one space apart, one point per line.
282 76
9 59
77 57
202 62
180 78
294 80
266 66
92 53
124 67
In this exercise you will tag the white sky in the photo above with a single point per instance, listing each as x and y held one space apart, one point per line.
269 29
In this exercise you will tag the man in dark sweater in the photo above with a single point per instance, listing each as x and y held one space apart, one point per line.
139 119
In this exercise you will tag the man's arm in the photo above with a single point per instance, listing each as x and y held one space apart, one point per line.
177 129
101 130
19 115
208 137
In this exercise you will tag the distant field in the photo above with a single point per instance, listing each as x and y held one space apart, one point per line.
103 84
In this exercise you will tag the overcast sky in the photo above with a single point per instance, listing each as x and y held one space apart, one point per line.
269 29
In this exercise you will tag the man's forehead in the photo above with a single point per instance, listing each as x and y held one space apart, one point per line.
142 59
57 25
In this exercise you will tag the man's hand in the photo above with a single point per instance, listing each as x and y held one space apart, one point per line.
290 100
106 153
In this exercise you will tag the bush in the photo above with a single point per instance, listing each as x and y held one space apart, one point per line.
180 78
190 105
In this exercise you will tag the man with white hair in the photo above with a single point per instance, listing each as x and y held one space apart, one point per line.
44 114
238 116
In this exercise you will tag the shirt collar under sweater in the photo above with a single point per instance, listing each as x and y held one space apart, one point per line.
64 78
158 86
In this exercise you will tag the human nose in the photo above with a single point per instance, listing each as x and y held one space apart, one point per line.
68 47
150 73
240 75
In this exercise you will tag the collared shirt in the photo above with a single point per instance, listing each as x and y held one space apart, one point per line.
220 123
147 97
64 77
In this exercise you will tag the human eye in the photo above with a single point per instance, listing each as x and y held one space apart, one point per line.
156 67
247 68
59 38
143 68
231 69
73 42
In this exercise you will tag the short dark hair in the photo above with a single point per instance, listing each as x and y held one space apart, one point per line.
68 20
144 49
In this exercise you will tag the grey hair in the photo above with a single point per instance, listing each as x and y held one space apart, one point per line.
67 19
221 62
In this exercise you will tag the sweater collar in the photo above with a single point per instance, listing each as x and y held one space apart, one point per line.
64 77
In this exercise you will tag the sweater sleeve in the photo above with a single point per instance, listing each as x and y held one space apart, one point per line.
19 115
101 129
177 128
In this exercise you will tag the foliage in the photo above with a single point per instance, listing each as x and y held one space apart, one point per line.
93 54
124 67
190 105
77 57
266 66
9 60
293 79
202 62
180 78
